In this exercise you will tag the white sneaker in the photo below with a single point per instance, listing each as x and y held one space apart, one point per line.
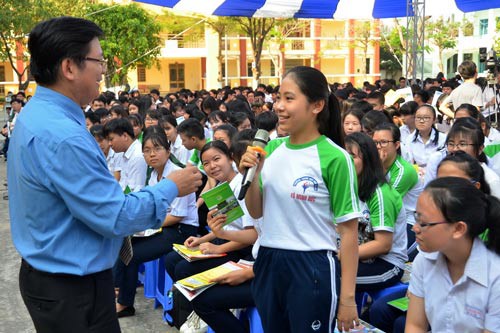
194 324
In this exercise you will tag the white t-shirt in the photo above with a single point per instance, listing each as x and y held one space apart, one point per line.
307 189
492 179
185 206
134 168
472 304
467 92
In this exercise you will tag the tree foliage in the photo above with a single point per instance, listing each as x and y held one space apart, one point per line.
18 19
443 34
131 38
257 28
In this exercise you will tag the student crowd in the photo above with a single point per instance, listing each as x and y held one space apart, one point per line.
399 183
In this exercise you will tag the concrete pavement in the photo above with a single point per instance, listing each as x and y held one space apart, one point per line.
14 317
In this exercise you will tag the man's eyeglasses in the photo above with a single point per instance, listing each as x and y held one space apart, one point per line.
101 61
460 145
426 224
382 143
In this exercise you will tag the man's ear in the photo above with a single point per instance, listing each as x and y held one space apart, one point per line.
68 69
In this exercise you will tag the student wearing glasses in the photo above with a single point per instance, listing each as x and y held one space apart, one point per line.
455 280
400 174
382 228
426 140
180 223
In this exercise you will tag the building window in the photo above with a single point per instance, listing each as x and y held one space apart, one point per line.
141 73
483 27
467 56
273 69
2 73
176 76
2 90
367 66
249 69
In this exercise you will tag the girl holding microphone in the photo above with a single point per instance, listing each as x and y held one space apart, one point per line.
307 196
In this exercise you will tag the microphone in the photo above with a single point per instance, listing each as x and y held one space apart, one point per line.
260 140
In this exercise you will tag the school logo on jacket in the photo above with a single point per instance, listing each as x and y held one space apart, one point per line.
305 187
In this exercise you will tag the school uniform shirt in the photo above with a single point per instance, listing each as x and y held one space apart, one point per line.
418 152
492 153
179 151
134 168
306 190
246 220
185 206
472 304
404 178
384 211
405 132
433 163
493 137
114 161
492 179
196 160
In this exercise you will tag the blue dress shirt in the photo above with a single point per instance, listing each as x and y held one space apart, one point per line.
67 213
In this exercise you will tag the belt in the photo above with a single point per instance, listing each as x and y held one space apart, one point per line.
27 266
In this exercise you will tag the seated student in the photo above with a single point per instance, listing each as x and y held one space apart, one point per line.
400 174
193 138
217 162
351 121
425 141
122 139
113 159
91 119
177 149
267 121
240 120
152 118
180 223
458 164
491 135
225 133
137 124
216 119
455 280
233 290
371 119
118 111
103 114
382 229
466 135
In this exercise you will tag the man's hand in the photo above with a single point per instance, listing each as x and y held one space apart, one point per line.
187 180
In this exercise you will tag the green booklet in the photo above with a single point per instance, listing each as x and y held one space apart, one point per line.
400 303
222 198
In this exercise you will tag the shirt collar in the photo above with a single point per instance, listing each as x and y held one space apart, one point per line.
131 149
68 106
477 264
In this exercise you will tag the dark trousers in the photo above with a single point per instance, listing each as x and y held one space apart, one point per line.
69 303
412 245
213 306
296 291
147 249
386 317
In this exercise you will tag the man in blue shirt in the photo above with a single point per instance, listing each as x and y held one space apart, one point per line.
68 214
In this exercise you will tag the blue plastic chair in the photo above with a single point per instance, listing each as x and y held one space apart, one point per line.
150 278
162 293
254 320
